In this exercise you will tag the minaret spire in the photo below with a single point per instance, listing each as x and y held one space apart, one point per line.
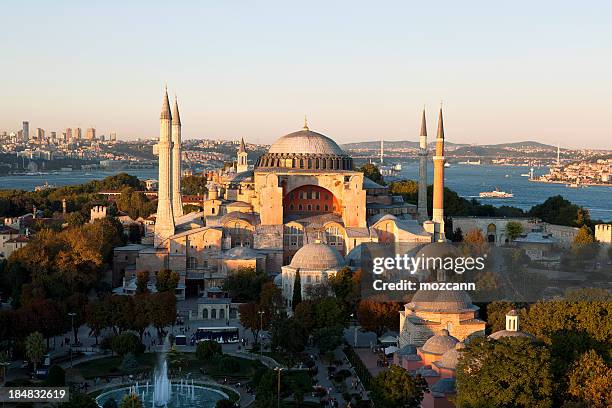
422 197
177 169
305 123
164 222
438 193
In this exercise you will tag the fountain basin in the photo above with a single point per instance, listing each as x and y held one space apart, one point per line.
183 395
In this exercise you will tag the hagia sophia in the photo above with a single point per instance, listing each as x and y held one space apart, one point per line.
301 207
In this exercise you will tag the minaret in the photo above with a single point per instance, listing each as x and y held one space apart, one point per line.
438 191
177 171
243 158
164 222
422 202
382 151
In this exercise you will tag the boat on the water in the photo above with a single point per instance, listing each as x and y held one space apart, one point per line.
495 194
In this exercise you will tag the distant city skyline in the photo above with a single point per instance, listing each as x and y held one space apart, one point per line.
506 72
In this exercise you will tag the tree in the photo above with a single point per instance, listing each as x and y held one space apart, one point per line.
372 172
194 185
590 380
131 401
244 285
97 318
129 362
346 287
166 280
510 372
79 400
141 318
56 377
297 290
496 314
163 311
251 319
378 316
397 388
328 339
475 242
224 403
270 299
514 230
330 312
557 210
288 335
583 237
125 343
35 348
207 349
304 313
142 280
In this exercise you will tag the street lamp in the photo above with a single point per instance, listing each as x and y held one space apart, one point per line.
72 315
261 313
278 369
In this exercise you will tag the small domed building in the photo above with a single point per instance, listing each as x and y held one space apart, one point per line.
512 328
431 311
435 347
316 263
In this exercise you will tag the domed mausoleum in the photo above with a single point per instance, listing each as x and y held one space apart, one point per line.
315 263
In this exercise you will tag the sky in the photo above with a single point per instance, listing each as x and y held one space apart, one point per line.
360 70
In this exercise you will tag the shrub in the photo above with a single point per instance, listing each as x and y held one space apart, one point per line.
129 362
126 342
207 349
56 377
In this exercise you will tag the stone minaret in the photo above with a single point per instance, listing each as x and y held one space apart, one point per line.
438 191
177 172
422 203
164 223
243 158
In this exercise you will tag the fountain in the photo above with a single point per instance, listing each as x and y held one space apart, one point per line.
165 393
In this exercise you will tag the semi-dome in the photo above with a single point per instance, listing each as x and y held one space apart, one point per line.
440 343
454 301
317 256
510 333
305 149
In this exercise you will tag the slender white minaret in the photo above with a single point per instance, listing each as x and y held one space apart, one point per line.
382 151
422 201
164 222
438 192
177 170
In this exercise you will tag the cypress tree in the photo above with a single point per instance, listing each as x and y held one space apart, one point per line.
297 291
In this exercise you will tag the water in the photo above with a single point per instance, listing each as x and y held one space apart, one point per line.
466 180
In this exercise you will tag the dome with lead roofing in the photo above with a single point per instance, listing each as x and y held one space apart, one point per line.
305 149
440 343
317 256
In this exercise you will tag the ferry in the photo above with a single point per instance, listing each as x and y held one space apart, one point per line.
446 164
471 163
495 194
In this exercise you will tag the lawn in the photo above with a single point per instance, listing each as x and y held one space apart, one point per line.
229 367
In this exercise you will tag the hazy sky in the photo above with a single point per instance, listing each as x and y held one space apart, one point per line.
506 71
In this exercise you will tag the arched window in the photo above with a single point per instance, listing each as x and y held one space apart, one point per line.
205 314
334 237
293 236
213 313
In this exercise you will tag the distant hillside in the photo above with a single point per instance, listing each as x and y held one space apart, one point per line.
524 145
391 144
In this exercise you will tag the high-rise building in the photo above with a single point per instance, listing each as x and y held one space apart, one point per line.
53 135
68 137
113 137
91 134
40 135
25 131
76 133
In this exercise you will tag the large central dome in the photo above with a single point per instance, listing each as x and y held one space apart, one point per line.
306 142
306 150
